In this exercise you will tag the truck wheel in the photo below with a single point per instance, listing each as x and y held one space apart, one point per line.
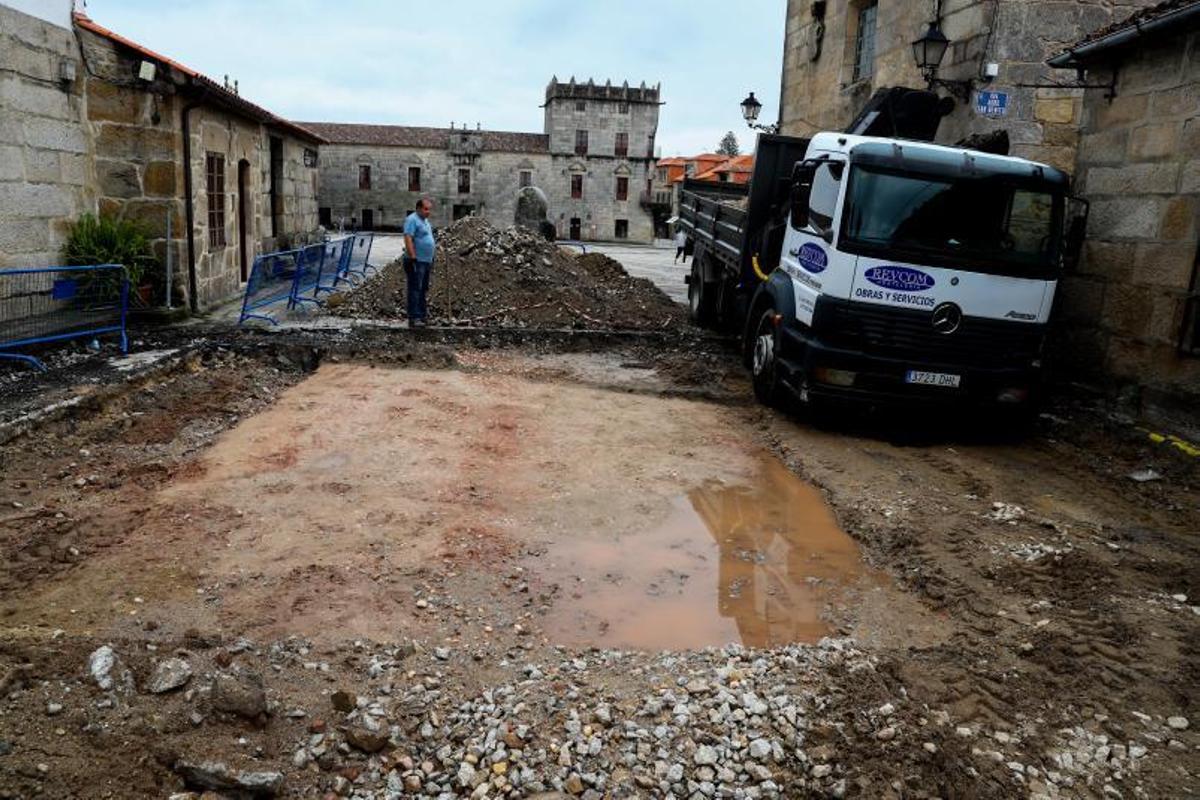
764 364
701 297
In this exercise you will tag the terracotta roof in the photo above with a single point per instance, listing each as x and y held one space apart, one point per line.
737 169
222 95
1138 21
430 138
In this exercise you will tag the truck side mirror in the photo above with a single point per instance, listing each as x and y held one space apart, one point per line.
1076 232
802 178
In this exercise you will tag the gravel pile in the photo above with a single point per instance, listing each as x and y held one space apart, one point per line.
515 278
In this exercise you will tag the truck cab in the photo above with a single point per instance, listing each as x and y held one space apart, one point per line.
910 272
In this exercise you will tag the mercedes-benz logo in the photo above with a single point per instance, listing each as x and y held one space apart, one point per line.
946 318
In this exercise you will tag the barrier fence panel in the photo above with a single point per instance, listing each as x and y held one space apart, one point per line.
309 261
271 279
333 269
360 255
46 304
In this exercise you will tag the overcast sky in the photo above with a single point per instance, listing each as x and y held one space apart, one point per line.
488 61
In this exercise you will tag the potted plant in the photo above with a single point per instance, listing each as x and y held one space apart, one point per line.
106 240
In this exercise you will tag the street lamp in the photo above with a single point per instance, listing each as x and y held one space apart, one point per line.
750 109
928 52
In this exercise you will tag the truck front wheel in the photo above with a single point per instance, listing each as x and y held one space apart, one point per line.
764 363
702 296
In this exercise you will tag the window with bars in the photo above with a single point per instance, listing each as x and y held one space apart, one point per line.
621 145
525 179
214 172
576 187
580 105
414 179
622 188
623 108
864 43
364 177
581 143
464 181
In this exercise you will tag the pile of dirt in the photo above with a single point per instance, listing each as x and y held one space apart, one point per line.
513 277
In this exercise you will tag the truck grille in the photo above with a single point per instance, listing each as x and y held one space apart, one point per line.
901 333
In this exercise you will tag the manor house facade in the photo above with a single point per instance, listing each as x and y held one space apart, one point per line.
593 161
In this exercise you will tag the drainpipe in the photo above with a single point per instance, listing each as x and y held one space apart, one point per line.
189 210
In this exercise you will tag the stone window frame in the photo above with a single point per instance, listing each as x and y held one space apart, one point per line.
414 179
524 178
311 157
620 228
214 174
581 142
577 186
622 187
580 106
364 177
621 144
464 186
622 107
862 39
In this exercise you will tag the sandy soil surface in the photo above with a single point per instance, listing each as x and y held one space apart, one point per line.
503 572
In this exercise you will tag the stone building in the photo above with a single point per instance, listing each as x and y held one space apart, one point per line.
1130 312
837 54
103 124
593 161
46 175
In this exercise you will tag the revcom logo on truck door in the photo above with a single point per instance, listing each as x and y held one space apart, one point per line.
810 256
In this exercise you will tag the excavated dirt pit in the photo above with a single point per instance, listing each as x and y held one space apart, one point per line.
639 521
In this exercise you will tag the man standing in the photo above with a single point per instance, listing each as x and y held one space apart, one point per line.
418 261
680 245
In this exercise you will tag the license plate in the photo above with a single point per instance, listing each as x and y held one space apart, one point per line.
932 379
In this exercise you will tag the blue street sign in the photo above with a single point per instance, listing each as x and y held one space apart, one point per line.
991 104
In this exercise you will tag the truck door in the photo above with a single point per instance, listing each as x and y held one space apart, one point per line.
810 256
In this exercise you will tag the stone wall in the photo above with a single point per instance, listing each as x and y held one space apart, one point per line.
820 93
134 130
46 175
1122 312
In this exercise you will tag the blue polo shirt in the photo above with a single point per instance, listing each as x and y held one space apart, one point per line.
422 236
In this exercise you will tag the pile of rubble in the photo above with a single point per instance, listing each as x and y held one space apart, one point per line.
515 278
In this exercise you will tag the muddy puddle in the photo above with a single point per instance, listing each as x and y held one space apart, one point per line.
762 564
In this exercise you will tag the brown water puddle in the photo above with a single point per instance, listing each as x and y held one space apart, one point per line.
757 564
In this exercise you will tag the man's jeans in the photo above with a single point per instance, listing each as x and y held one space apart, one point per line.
416 275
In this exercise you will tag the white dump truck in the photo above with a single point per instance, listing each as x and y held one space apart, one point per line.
884 270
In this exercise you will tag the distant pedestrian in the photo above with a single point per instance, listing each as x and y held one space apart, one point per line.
680 246
418 261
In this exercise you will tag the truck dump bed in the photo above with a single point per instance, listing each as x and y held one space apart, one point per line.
726 218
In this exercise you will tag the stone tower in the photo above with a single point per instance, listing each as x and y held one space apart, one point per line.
602 145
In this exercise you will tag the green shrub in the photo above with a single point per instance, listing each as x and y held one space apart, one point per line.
104 240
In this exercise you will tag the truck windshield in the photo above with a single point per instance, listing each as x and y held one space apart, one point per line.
983 224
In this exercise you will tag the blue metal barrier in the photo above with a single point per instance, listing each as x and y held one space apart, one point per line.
47 304
298 276
360 255
309 261
334 266
272 277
